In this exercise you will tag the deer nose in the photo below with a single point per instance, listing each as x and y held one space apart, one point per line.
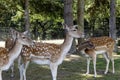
83 35
33 43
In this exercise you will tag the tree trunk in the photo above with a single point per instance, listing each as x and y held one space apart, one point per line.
27 20
80 14
68 18
68 13
80 17
112 21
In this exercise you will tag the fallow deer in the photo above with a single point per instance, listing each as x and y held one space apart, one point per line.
9 43
49 54
101 45
11 40
7 57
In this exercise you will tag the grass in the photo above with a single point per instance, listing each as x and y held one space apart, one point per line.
73 68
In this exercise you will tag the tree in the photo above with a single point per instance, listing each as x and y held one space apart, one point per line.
95 13
80 17
68 18
112 20
80 14
27 20
68 14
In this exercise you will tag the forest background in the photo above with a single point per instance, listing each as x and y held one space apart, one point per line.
46 16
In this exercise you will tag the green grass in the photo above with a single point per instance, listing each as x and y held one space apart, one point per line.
74 68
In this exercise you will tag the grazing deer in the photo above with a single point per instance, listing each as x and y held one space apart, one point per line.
101 45
85 44
49 54
7 57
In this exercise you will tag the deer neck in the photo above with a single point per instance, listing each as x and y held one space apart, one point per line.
12 42
15 51
65 47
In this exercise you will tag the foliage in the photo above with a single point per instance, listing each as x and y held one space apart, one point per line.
118 8
12 13
97 13
41 11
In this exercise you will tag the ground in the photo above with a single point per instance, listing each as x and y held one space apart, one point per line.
73 68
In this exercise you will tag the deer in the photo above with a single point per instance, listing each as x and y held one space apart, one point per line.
98 45
48 53
7 57
9 43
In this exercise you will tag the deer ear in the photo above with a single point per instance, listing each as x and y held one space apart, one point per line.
65 26
26 32
17 34
11 30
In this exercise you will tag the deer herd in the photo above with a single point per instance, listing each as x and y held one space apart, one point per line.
22 48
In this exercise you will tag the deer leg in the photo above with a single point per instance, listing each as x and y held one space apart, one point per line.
112 60
25 68
19 61
94 64
53 68
107 61
88 65
20 67
0 74
12 70
22 70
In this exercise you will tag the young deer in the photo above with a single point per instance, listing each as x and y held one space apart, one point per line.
102 45
49 54
11 40
7 57
9 43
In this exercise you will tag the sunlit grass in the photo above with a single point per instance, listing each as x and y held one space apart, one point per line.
73 68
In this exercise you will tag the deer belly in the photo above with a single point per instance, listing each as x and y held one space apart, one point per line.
100 51
40 60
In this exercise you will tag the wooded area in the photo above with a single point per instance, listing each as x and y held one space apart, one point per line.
43 18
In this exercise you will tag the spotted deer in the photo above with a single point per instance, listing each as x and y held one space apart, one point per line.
11 40
49 54
101 45
9 43
7 57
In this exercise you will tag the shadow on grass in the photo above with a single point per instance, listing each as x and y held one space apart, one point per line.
74 69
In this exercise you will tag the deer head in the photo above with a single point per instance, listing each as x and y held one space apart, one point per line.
73 31
23 38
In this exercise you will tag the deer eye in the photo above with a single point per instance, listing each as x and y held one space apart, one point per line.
74 30
23 37
76 27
